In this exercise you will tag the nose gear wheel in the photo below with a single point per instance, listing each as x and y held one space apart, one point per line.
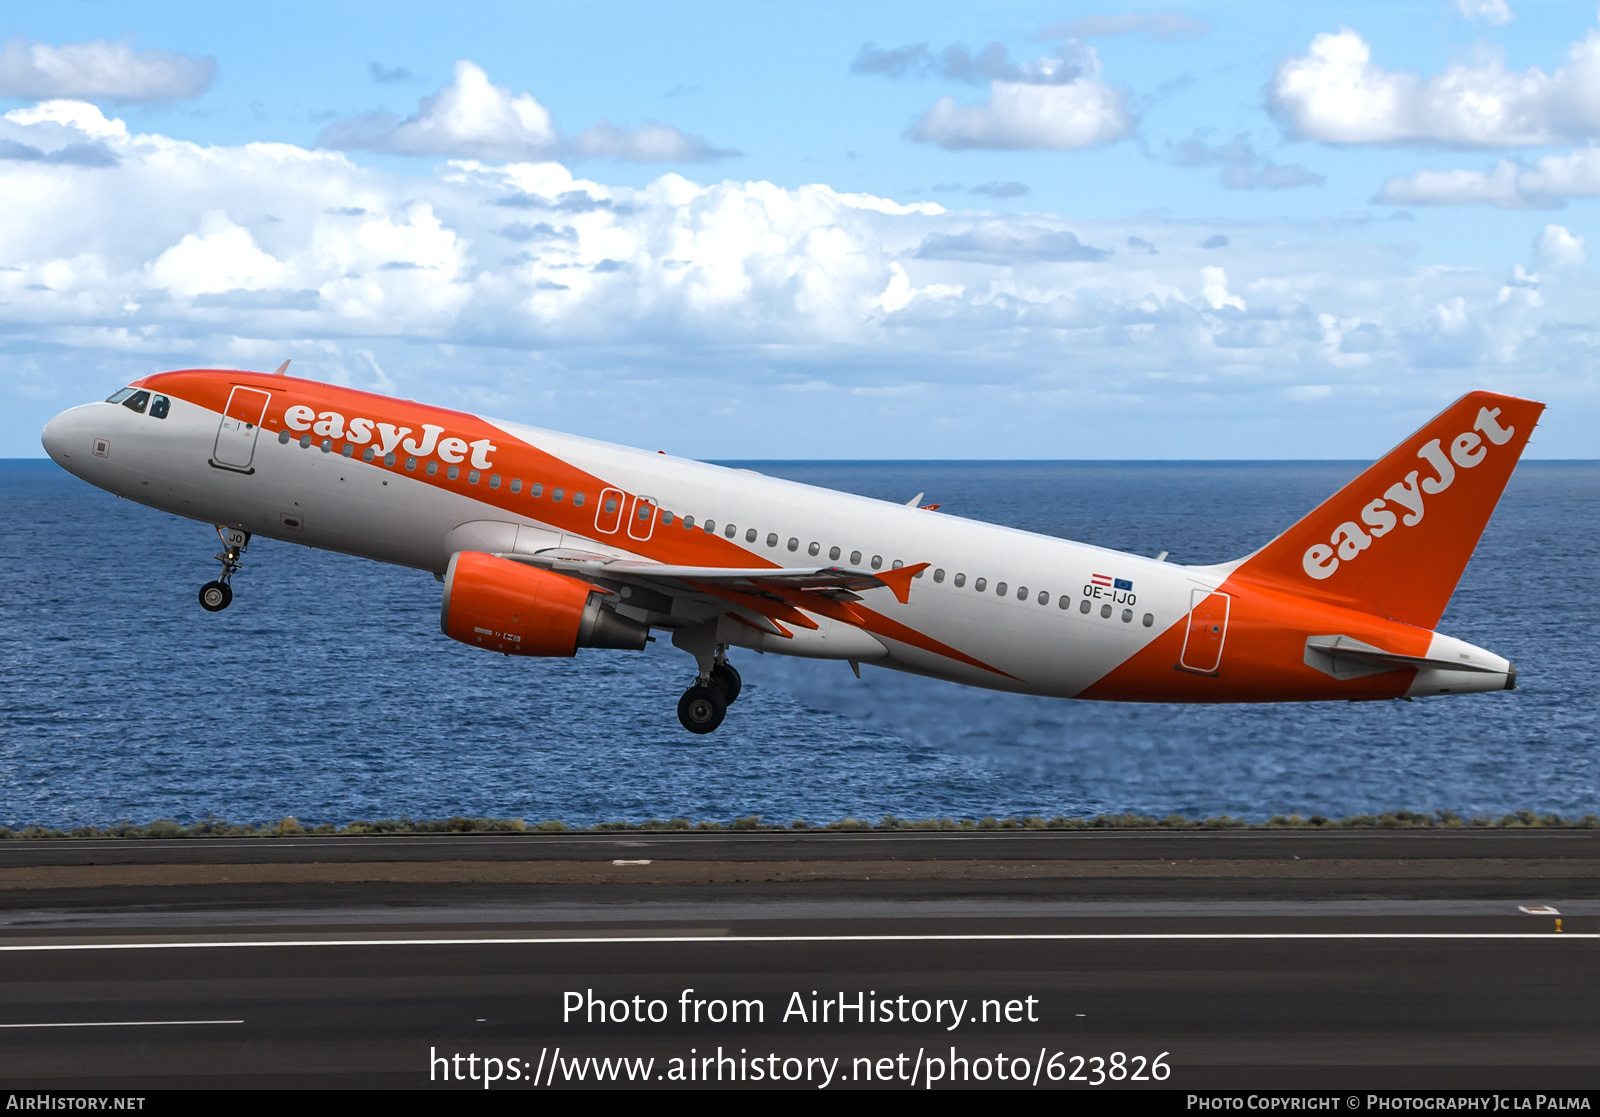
215 596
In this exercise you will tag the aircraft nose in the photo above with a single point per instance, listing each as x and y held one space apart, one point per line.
57 437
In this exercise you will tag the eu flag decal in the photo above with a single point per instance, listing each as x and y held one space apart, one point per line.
1123 584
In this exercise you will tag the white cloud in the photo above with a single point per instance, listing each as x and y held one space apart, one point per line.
219 257
467 281
1214 289
77 116
1040 115
1495 12
1336 93
1559 247
472 118
100 70
1545 184
469 117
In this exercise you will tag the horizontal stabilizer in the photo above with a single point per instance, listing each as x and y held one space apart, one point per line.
1345 657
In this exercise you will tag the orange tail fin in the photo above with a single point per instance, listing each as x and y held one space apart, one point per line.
1395 540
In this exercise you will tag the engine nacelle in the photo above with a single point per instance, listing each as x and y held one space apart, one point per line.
508 607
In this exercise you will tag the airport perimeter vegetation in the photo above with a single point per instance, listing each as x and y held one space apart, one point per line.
291 828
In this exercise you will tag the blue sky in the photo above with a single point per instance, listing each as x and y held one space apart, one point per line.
821 230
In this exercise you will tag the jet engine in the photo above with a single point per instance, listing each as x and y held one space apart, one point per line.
508 607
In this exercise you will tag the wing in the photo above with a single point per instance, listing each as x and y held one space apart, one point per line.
767 598
836 582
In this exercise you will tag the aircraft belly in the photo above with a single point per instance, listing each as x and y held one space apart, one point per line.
1031 649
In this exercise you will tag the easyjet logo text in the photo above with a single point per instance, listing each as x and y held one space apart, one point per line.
1403 502
389 438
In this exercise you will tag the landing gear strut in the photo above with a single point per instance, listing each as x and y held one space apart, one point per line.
705 704
217 596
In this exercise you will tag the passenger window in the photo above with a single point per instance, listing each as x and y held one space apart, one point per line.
938 575
611 506
666 519
1084 606
814 550
772 539
137 402
368 454
516 484
536 490
750 535
896 564
305 442
1044 598
1000 589
1127 616
1022 593
855 558
688 522
388 459
348 450
1065 601
833 554
794 544
1105 611
284 438
120 394
411 463
159 409
961 580
981 584
1149 619
730 530
557 494
433 467
577 500
454 472
472 477
494 481
877 561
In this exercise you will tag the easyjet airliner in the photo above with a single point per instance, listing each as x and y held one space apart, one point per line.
547 543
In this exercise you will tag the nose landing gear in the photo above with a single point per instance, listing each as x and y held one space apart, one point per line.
217 596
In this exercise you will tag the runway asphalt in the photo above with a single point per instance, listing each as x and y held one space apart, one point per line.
1340 960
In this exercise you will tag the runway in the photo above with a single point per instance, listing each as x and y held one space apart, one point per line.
1231 960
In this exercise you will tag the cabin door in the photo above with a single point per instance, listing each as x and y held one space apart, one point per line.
241 423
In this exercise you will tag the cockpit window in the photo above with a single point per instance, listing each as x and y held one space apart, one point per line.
160 407
120 394
137 402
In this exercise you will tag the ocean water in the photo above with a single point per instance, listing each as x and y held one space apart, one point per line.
327 692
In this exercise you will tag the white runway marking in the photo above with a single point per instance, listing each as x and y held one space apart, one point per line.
586 940
120 1023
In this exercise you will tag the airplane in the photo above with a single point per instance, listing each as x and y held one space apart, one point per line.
547 543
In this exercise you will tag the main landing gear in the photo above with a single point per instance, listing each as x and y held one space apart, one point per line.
705 704
217 596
